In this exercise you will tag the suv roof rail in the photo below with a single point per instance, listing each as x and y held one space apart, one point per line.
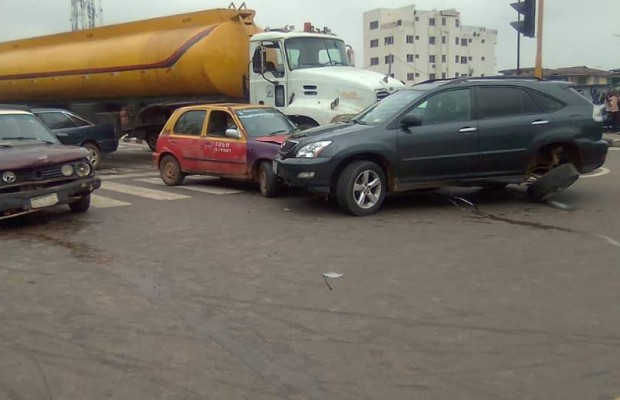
495 78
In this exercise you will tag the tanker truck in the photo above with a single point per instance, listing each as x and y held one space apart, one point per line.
136 74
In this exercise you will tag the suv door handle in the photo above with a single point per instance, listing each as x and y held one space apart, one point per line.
468 129
540 122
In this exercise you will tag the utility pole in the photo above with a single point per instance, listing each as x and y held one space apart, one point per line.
539 40
519 49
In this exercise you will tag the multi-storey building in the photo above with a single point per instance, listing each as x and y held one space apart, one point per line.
414 45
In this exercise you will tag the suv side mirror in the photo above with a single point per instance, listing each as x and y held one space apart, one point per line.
410 120
233 134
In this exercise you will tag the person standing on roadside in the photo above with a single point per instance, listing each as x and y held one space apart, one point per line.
611 104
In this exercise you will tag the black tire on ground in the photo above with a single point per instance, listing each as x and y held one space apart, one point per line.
151 140
170 171
267 180
553 182
80 205
361 188
95 154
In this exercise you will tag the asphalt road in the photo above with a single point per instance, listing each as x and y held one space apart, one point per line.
209 291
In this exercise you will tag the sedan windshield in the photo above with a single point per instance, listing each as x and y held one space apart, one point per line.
314 52
387 108
259 122
24 127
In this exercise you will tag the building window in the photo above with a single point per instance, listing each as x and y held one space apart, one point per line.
463 42
443 58
374 61
417 37
456 41
417 74
483 41
431 59
443 21
470 40
443 75
409 57
409 39
399 22
456 59
409 76
463 60
432 76
483 58
431 40
469 58
417 19
456 75
417 56
388 40
389 59
457 23
374 25
374 43
481 74
431 21
443 40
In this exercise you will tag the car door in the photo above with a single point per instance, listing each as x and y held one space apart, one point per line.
63 127
222 154
186 139
508 121
445 144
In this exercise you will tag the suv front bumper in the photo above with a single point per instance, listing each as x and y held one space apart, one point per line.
12 204
593 155
313 174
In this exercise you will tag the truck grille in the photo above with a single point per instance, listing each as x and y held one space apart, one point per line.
39 174
382 94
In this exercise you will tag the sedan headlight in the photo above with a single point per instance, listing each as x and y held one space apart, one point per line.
9 177
83 169
67 170
312 150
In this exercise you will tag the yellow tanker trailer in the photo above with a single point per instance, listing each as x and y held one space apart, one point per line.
139 70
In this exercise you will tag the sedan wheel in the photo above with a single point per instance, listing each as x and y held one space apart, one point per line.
170 171
94 154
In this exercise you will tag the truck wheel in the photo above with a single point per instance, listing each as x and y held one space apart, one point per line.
361 188
80 205
267 180
94 154
170 171
553 182
151 140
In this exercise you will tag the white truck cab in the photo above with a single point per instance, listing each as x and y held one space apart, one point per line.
310 77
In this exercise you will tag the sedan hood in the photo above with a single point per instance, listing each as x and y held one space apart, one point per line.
38 155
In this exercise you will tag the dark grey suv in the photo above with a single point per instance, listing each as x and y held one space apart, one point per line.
465 132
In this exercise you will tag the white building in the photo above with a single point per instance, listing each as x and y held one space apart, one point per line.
414 45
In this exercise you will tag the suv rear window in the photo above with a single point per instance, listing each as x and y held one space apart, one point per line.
547 103
504 101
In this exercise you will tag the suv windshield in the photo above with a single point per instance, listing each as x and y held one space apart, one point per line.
388 107
18 127
259 122
313 52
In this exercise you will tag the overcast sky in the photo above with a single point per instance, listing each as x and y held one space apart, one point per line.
577 32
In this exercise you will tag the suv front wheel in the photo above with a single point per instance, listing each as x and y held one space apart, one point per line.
361 187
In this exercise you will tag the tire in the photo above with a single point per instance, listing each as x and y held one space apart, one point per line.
267 180
151 140
553 182
94 154
361 187
170 171
81 205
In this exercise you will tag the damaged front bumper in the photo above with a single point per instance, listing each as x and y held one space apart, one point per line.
27 201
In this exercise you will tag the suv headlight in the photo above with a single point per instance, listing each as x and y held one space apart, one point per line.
82 169
312 150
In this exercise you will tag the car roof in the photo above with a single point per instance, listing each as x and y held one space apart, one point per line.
48 109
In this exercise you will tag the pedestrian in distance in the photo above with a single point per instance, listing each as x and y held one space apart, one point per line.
612 106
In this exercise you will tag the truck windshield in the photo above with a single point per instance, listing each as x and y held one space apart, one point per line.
24 127
260 122
315 52
387 108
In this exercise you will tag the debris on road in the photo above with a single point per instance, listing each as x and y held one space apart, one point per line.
331 275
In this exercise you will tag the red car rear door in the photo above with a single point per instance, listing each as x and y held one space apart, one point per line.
186 139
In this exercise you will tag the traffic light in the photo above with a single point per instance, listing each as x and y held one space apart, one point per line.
527 25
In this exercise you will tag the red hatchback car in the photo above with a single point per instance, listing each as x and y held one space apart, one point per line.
232 141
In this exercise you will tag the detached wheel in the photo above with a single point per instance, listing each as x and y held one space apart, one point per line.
361 188
553 182
94 154
81 205
267 180
170 171
151 140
